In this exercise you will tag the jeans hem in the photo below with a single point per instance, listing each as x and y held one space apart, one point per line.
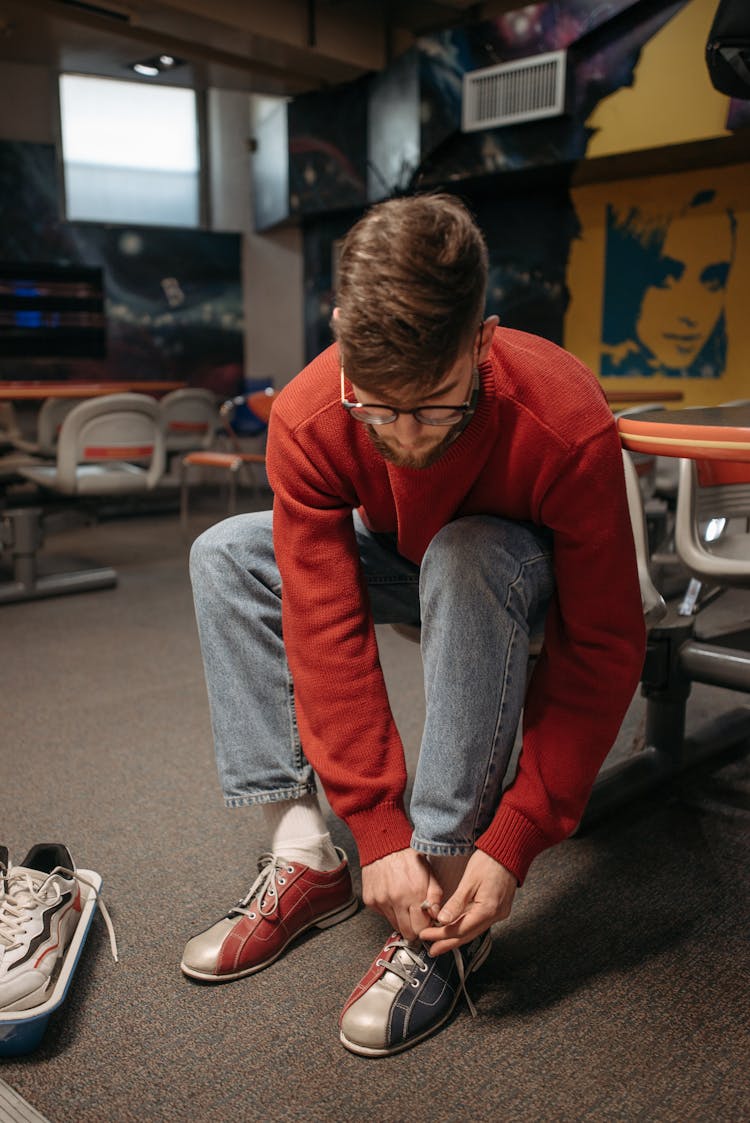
276 796
441 849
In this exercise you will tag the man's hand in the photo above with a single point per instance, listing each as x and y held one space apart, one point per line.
397 886
483 896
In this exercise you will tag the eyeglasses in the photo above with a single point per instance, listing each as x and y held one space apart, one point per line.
373 413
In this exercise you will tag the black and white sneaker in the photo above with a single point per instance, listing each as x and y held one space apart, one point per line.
40 906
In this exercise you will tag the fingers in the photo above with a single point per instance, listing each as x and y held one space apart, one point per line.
483 896
397 886
444 937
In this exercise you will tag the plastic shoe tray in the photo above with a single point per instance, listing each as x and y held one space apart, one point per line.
22 1030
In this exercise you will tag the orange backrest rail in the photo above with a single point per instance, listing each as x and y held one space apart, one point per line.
695 442
117 452
188 426
717 473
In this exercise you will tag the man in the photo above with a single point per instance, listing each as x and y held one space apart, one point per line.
428 467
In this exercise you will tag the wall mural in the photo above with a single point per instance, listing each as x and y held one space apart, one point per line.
665 282
173 296
529 232
328 149
603 40
538 236
660 274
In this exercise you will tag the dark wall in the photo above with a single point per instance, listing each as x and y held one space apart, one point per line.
173 296
515 179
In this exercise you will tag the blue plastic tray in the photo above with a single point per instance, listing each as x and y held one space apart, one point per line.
21 1031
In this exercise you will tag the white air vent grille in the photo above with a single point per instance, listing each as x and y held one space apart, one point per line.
524 90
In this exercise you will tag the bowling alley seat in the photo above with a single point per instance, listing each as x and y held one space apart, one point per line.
24 450
112 446
230 462
681 649
714 492
191 419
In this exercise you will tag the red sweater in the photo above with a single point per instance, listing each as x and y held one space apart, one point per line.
542 446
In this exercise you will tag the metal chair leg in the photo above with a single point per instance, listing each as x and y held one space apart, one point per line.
233 473
184 485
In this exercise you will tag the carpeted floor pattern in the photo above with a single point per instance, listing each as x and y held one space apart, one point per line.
617 991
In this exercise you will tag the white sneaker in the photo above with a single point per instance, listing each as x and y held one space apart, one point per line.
40 907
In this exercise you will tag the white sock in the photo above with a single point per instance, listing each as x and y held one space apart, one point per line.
298 831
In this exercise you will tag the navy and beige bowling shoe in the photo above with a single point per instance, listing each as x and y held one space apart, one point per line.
407 995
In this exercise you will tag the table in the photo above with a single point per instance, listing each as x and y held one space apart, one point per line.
38 391
701 433
675 657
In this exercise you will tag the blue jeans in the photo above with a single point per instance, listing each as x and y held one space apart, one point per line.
481 592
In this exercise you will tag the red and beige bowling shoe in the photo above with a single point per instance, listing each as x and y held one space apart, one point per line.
285 900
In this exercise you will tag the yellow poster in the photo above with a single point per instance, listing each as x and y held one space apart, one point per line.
659 283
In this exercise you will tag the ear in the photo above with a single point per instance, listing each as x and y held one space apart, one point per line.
336 313
488 330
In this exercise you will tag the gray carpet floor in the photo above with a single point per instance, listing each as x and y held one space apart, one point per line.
618 990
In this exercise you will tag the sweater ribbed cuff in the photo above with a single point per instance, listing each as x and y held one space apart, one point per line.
380 831
512 841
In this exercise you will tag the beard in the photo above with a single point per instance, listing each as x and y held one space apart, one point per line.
414 459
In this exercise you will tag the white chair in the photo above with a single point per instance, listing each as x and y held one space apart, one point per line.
26 450
107 446
50 417
710 490
654 607
191 418
229 463
9 430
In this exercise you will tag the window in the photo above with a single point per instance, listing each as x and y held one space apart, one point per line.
130 152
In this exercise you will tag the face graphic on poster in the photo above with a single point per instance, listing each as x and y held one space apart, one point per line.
665 287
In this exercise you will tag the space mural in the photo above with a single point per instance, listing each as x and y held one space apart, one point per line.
173 296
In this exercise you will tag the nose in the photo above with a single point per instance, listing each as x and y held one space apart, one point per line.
406 429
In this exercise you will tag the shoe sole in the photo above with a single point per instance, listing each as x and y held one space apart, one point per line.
327 920
29 1001
389 1050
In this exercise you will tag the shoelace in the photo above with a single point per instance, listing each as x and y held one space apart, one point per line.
264 887
22 896
407 971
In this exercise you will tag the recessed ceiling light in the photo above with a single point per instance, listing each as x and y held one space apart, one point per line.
152 67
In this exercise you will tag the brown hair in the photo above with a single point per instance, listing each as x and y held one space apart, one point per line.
411 291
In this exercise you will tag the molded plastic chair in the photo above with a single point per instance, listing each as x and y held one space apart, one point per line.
106 446
24 450
9 431
190 417
714 489
654 606
229 462
50 417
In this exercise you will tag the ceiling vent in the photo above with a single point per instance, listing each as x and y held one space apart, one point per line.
524 90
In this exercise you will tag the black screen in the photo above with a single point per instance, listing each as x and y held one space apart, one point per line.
52 311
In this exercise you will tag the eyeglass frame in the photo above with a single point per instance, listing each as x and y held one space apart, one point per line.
460 411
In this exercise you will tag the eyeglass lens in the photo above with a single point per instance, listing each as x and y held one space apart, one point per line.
429 415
